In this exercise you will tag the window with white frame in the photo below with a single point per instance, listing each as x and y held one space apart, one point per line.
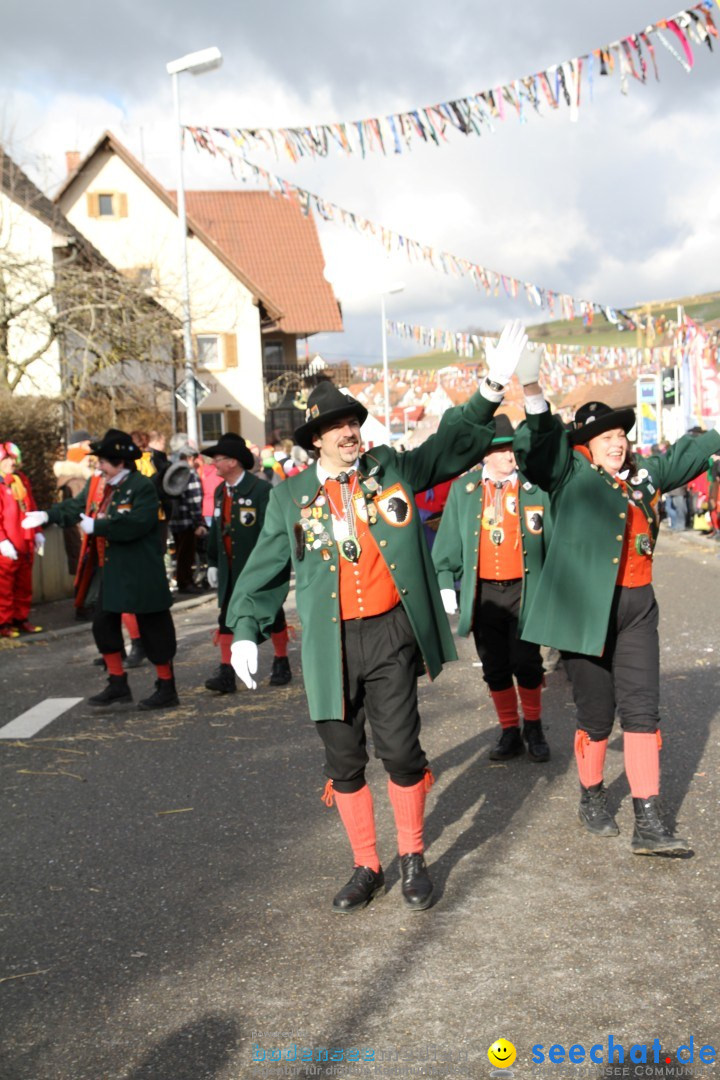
208 351
211 426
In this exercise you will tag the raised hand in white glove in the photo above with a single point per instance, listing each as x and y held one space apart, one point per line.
449 599
7 548
34 519
39 541
213 577
528 369
502 358
244 659
87 524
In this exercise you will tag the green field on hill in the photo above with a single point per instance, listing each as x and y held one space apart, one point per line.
705 308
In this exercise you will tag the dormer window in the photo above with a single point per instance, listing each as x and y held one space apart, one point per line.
105 206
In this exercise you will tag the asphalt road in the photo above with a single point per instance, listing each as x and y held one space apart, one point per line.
166 881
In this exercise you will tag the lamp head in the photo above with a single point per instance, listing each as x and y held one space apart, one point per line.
197 62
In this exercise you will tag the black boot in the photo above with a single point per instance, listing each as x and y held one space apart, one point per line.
363 886
593 811
136 655
538 749
417 888
281 672
509 745
223 681
651 835
165 695
116 693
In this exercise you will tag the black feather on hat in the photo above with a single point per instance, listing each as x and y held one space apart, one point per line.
325 404
116 444
595 418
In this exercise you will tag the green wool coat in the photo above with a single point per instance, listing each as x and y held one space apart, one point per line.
134 577
456 547
461 440
247 516
571 606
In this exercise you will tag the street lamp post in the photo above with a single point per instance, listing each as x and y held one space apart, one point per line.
396 288
196 63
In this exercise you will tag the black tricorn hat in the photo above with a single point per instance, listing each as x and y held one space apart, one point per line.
595 418
116 444
504 431
325 404
232 446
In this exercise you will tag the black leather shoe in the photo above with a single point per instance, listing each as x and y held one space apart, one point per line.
116 693
417 888
363 886
651 835
137 654
165 696
223 681
281 673
593 812
537 747
509 745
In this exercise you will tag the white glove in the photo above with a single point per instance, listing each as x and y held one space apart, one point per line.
87 524
213 577
244 659
502 359
449 600
528 369
7 548
34 519
39 541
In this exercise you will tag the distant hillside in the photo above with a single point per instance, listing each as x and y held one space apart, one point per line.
704 307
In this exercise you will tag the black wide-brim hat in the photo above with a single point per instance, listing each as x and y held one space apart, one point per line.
325 404
116 444
504 431
232 446
595 418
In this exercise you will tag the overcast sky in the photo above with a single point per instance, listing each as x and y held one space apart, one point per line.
620 207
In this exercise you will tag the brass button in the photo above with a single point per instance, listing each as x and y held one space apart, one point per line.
622 515
333 596
524 551
404 592
618 537
332 567
383 543
527 569
392 566
616 485
476 532
616 560
334 619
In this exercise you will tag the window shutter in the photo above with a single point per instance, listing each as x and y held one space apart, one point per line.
93 204
232 421
230 350
120 205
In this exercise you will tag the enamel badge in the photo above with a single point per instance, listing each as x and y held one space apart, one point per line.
395 507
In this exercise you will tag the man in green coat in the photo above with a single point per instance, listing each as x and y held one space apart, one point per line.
595 601
240 502
492 538
369 605
122 527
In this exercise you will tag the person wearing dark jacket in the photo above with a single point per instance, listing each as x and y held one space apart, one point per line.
595 601
122 526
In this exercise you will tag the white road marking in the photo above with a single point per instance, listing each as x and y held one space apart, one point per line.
29 723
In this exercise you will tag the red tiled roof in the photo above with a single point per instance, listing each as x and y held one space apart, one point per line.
277 246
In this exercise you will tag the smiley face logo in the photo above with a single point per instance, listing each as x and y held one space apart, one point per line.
501 1054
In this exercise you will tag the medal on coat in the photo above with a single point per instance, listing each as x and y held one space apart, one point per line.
343 521
497 536
350 548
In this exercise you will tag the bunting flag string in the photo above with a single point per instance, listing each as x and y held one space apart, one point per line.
558 85
443 262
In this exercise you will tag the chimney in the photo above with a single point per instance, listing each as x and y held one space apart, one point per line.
72 160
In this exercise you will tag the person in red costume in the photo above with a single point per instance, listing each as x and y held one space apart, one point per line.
17 545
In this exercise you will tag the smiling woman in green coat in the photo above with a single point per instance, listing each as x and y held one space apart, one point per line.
595 600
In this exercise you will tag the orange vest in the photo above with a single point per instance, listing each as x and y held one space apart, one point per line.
500 547
635 569
366 587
